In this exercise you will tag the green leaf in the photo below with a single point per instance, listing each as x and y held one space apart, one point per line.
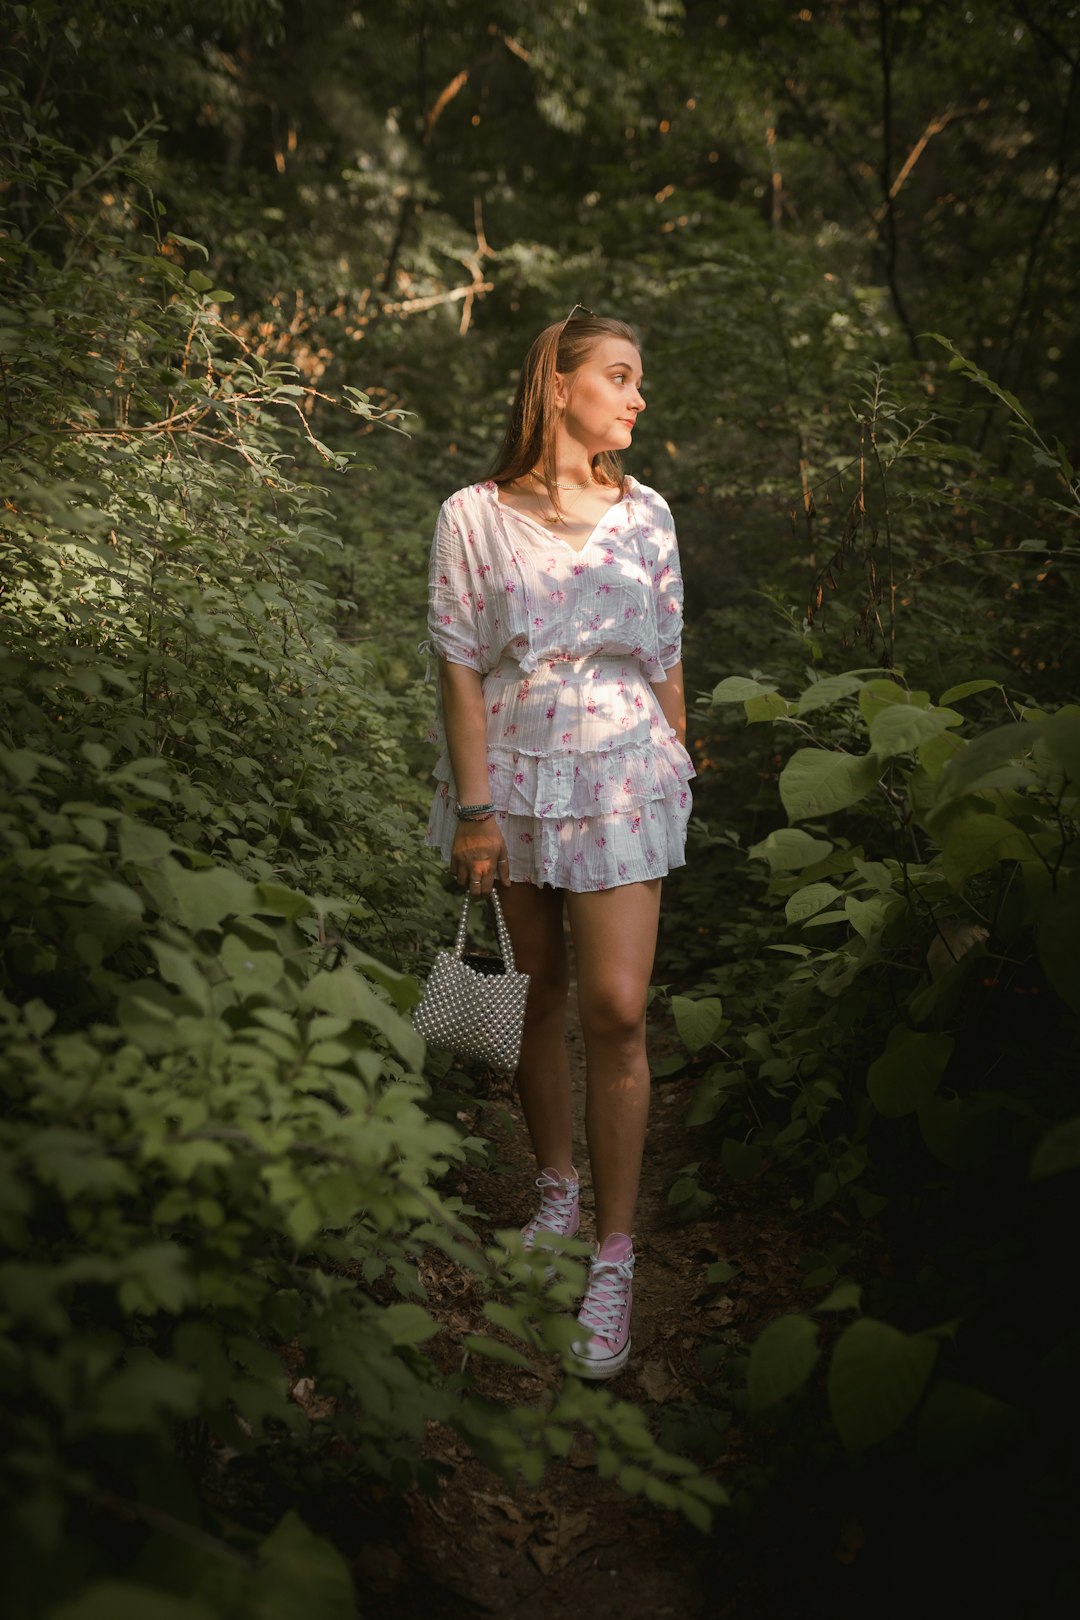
148 1014
908 1071
765 709
1061 737
966 689
846 1296
132 1399
976 841
900 730
407 1324
737 688
866 916
509 1319
698 1021
76 1165
38 1017
1057 939
935 755
251 970
876 1378
348 994
304 1577
1058 1151
204 899
981 757
275 900
163 1271
117 898
130 1600
806 902
188 242
830 689
181 968
825 919
975 374
789 849
23 764
815 782
781 1360
96 755
140 842
495 1350
884 693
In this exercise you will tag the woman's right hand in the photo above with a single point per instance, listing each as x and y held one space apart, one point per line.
479 856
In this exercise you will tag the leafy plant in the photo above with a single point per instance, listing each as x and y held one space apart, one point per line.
914 1062
220 1171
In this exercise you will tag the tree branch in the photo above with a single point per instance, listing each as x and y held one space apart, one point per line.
1042 227
890 240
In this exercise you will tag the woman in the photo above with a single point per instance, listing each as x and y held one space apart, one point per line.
556 610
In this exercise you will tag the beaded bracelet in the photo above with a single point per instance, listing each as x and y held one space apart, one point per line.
475 812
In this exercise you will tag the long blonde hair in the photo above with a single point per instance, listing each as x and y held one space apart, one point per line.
529 441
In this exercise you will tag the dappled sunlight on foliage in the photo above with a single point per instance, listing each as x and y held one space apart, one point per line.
268 272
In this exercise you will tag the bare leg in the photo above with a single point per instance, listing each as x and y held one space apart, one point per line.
615 942
534 917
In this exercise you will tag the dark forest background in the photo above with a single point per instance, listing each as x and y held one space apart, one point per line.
267 272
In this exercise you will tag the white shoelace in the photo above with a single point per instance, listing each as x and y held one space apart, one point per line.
557 1209
607 1297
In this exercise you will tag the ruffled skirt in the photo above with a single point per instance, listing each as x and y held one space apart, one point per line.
588 780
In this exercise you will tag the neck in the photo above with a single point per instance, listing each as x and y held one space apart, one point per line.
578 471
573 457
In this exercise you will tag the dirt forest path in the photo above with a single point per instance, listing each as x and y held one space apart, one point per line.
577 1543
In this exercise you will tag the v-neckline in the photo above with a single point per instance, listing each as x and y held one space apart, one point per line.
549 534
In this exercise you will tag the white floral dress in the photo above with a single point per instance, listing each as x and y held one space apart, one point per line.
588 779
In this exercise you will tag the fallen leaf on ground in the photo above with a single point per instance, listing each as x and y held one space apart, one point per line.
572 1525
657 1381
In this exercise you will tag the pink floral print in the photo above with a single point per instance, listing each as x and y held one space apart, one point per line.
567 643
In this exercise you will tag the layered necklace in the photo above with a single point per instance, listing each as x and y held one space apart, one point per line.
574 489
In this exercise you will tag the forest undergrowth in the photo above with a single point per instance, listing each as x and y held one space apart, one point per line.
249 338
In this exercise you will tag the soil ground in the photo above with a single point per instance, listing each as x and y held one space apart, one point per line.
576 1543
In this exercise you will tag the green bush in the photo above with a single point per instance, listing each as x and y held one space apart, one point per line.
219 1167
909 1059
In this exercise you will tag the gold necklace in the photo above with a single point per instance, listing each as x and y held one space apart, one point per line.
579 487
559 517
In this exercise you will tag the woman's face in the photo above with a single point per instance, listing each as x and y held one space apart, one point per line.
602 400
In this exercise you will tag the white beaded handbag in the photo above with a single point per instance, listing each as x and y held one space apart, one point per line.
475 1006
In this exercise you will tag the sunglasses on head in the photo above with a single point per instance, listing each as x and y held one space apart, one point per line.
571 315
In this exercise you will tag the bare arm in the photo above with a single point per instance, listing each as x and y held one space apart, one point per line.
671 696
479 853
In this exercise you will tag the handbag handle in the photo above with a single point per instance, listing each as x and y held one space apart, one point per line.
506 950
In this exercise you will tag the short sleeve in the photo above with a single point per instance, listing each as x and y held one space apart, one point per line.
667 589
453 609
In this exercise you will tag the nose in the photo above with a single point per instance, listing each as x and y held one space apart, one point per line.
637 403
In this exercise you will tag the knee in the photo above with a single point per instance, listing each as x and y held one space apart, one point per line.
548 990
617 1017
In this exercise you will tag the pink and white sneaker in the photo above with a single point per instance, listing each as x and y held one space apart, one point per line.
558 1212
606 1310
